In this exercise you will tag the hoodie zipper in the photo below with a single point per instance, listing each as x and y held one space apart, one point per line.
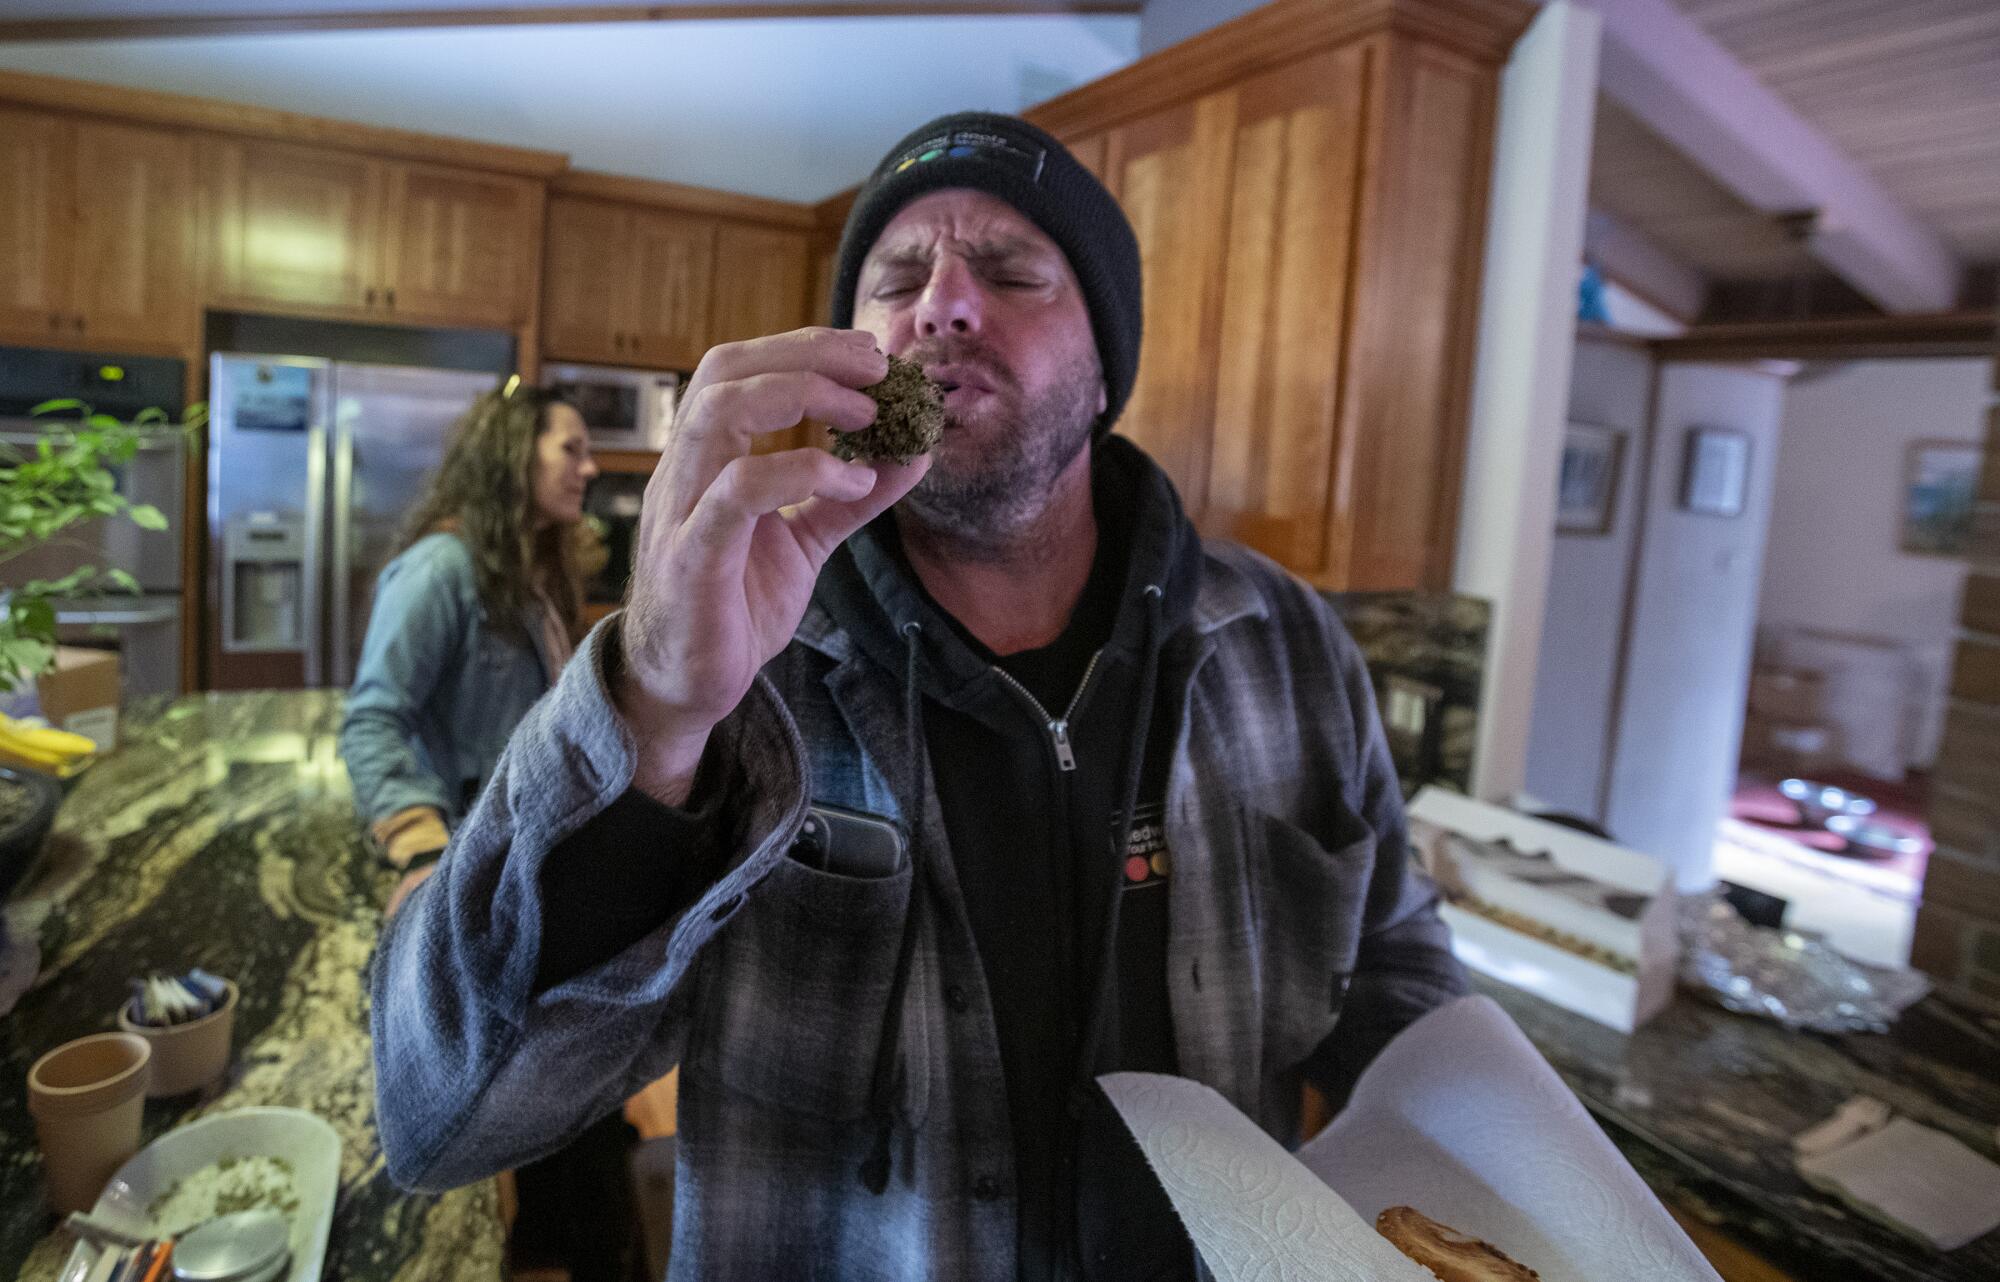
1058 727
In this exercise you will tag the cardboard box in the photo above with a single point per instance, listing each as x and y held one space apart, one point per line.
1583 923
80 694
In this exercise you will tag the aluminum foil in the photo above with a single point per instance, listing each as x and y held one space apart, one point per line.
1786 975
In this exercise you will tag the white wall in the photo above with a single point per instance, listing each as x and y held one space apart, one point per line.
791 108
1680 720
1520 383
1167 22
1833 563
1611 385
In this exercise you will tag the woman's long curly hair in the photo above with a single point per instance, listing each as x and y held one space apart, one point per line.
484 493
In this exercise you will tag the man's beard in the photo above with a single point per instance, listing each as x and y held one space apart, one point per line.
986 501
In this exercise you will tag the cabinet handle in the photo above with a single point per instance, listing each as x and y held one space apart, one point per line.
368 298
389 296
76 322
55 322
618 342
635 342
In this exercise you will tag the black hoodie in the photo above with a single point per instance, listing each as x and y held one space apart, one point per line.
1033 756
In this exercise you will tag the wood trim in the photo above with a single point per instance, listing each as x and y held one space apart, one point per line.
831 214
626 462
677 196
129 28
194 532
1930 334
153 107
1280 32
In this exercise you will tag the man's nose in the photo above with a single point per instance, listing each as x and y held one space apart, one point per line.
952 301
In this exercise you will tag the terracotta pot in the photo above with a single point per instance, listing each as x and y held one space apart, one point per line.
187 1056
86 1097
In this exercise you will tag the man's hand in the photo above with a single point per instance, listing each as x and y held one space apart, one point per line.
730 542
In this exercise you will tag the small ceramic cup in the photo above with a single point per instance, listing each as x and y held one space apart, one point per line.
187 1056
86 1097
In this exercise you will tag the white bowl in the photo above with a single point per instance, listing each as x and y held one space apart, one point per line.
307 1143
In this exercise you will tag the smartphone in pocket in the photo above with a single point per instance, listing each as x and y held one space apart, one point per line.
851 843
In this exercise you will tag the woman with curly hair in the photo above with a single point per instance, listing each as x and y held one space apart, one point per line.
471 622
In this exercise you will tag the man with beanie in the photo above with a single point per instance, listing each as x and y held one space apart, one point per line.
903 801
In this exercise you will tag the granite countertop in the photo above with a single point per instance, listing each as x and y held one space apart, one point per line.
1704 1104
221 833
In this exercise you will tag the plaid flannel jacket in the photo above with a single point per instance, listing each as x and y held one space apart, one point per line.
1301 939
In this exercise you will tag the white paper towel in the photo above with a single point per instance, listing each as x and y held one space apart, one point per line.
1915 1179
1253 1211
1458 1117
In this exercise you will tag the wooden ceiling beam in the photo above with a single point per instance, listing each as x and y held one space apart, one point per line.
1635 262
386 19
1661 66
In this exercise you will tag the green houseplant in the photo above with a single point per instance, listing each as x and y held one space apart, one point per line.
68 477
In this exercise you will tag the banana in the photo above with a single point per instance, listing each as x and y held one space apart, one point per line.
44 747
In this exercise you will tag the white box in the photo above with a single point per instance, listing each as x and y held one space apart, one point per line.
1581 922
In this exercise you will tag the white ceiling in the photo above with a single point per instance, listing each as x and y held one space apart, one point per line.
791 108
73 9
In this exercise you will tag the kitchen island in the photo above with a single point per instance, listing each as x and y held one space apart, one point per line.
1704 1104
221 834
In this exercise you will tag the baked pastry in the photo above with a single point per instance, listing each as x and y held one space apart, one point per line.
1445 1251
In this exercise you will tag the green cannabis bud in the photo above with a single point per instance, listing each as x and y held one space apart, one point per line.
909 422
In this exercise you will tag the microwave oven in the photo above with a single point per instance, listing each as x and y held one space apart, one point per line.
623 409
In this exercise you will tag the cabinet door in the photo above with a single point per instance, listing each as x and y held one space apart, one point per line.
1285 282
760 282
293 226
587 284
134 273
1170 171
673 261
458 246
760 288
35 224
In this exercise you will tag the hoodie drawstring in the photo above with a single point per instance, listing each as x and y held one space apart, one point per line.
1135 764
874 1173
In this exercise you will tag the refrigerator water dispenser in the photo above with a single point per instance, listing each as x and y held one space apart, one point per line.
263 584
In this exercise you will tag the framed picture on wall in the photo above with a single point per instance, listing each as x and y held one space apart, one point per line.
1940 481
1715 474
1589 486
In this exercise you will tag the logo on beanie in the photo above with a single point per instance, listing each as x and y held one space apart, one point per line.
962 143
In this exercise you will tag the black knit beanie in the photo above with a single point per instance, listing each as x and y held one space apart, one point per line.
1011 159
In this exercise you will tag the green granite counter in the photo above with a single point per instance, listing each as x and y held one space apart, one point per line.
221 834
1704 1104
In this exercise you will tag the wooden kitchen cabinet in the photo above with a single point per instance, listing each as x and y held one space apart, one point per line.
296 227
671 267
1295 151
35 229
626 284
1170 171
586 279
1308 187
459 246
292 226
94 232
133 270
760 282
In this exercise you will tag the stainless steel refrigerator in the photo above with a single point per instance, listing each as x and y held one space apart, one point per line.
314 465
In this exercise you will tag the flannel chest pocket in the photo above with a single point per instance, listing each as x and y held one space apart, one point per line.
797 986
1309 899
